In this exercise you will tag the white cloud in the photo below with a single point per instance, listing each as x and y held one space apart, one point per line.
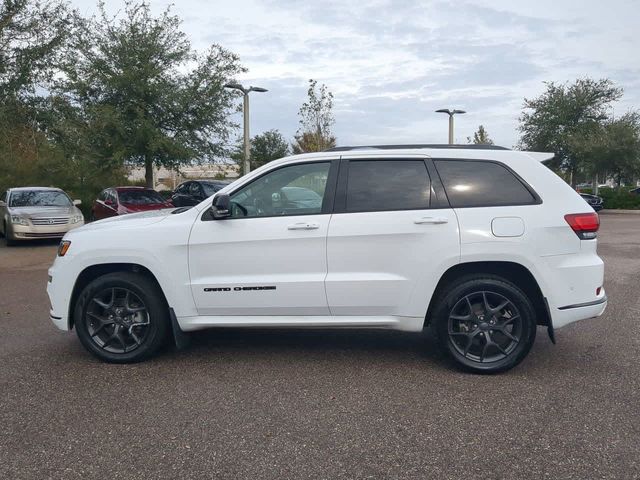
391 63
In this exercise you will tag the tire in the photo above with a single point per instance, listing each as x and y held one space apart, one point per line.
484 323
9 242
120 327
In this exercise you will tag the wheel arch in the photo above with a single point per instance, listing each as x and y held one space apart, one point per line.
515 272
92 272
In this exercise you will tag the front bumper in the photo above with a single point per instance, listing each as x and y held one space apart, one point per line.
59 300
34 232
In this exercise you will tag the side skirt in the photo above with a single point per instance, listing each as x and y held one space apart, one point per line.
407 324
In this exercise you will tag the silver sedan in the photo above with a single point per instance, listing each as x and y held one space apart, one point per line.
30 213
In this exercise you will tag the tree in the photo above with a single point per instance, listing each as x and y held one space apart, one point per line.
563 113
146 97
316 119
265 147
32 37
480 137
611 148
31 34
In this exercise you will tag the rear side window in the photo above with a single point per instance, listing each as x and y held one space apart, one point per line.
481 184
377 185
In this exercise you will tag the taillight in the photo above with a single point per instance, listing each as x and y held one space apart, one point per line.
584 224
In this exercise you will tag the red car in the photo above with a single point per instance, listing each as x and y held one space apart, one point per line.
122 200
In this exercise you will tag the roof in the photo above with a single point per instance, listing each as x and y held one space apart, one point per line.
471 146
21 189
124 189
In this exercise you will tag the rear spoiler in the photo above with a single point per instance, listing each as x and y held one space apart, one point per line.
541 156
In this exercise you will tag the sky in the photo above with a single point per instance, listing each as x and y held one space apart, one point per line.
390 64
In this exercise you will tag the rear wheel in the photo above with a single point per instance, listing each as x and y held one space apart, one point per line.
122 317
485 324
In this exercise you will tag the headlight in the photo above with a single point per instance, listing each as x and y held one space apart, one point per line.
77 218
18 220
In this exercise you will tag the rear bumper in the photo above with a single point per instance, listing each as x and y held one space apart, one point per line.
563 316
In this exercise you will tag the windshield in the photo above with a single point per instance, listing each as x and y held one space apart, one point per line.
211 188
39 198
140 197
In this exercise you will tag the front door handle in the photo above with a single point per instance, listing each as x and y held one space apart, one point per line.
431 220
303 226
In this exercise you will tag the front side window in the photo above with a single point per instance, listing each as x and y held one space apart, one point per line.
194 190
481 184
39 198
379 185
292 190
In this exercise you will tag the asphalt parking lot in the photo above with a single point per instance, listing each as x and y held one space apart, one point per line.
319 404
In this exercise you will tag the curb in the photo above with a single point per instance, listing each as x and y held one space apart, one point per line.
609 211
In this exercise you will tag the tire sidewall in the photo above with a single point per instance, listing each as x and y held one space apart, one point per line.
156 308
499 286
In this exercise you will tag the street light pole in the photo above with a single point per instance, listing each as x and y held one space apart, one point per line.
245 111
451 113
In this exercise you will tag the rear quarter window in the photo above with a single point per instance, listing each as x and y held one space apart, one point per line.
477 183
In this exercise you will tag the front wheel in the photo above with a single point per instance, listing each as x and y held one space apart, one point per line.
122 317
485 324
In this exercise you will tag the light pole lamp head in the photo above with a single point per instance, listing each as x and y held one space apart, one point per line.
234 86
258 89
444 110
459 111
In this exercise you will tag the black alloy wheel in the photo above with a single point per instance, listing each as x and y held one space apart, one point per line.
117 320
122 317
484 323
484 326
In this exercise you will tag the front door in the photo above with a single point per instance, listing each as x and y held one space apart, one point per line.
270 257
389 239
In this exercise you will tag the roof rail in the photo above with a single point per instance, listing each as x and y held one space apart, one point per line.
470 146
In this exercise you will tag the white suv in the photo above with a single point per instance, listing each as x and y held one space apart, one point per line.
482 244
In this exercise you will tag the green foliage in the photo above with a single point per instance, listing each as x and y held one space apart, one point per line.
134 86
619 198
564 114
316 119
31 34
266 147
480 137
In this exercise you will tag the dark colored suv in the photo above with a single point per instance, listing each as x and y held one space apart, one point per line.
193 192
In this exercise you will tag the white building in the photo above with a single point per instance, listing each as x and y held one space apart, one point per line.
166 179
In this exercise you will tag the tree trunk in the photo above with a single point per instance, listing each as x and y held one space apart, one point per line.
594 184
148 173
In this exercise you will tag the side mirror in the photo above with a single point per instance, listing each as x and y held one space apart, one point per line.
3 203
221 207
108 202
77 202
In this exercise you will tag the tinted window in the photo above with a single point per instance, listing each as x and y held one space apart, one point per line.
194 190
39 198
140 197
481 184
375 185
293 190
211 188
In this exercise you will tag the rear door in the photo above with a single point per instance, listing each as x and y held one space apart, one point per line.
390 239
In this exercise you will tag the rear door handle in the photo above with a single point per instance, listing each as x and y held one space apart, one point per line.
303 226
431 220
